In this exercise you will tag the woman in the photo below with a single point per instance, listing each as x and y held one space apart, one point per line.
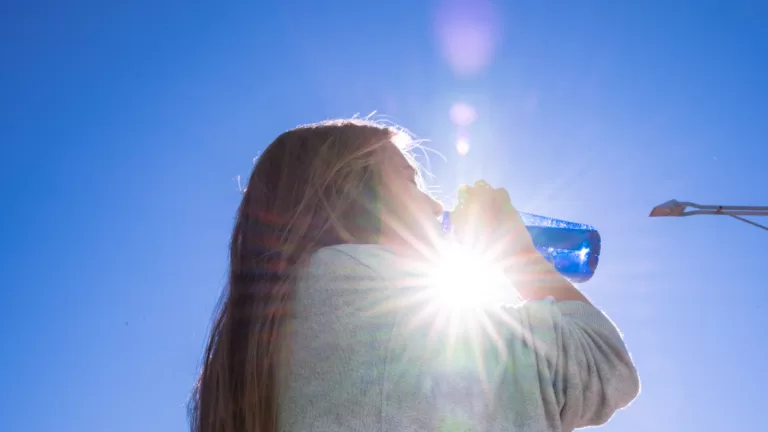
332 320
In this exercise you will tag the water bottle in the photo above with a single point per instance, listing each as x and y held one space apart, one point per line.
573 248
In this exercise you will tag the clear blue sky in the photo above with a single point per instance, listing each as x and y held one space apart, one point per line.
123 127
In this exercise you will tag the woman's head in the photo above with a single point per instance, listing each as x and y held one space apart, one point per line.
336 182
346 181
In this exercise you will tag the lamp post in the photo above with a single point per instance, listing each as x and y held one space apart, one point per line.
675 208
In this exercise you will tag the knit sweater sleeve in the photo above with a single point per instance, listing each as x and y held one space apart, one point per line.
586 373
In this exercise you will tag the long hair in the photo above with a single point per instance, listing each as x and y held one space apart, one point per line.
314 186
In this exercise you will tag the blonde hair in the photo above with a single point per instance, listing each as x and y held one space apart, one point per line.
314 186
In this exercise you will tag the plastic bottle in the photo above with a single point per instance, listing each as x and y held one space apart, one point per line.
573 248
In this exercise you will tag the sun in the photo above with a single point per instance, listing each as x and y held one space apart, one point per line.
463 280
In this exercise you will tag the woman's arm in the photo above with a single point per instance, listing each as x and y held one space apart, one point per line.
572 352
584 373
535 278
592 375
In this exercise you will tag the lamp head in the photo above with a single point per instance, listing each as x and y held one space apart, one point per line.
669 208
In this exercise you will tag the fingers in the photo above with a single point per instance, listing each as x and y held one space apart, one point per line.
501 197
482 184
483 192
486 217
463 194
481 206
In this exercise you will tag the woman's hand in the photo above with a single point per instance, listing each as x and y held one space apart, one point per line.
486 220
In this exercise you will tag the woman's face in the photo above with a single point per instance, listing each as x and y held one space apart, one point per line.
409 214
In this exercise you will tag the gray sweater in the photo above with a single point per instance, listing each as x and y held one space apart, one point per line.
369 353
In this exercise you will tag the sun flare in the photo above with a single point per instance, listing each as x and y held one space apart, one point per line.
465 280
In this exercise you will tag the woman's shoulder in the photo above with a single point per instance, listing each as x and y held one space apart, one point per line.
355 258
339 280
355 252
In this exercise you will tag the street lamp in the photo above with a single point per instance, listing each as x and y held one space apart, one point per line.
675 208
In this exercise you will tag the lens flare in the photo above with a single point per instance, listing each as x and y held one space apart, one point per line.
468 32
463 114
463 280
462 146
